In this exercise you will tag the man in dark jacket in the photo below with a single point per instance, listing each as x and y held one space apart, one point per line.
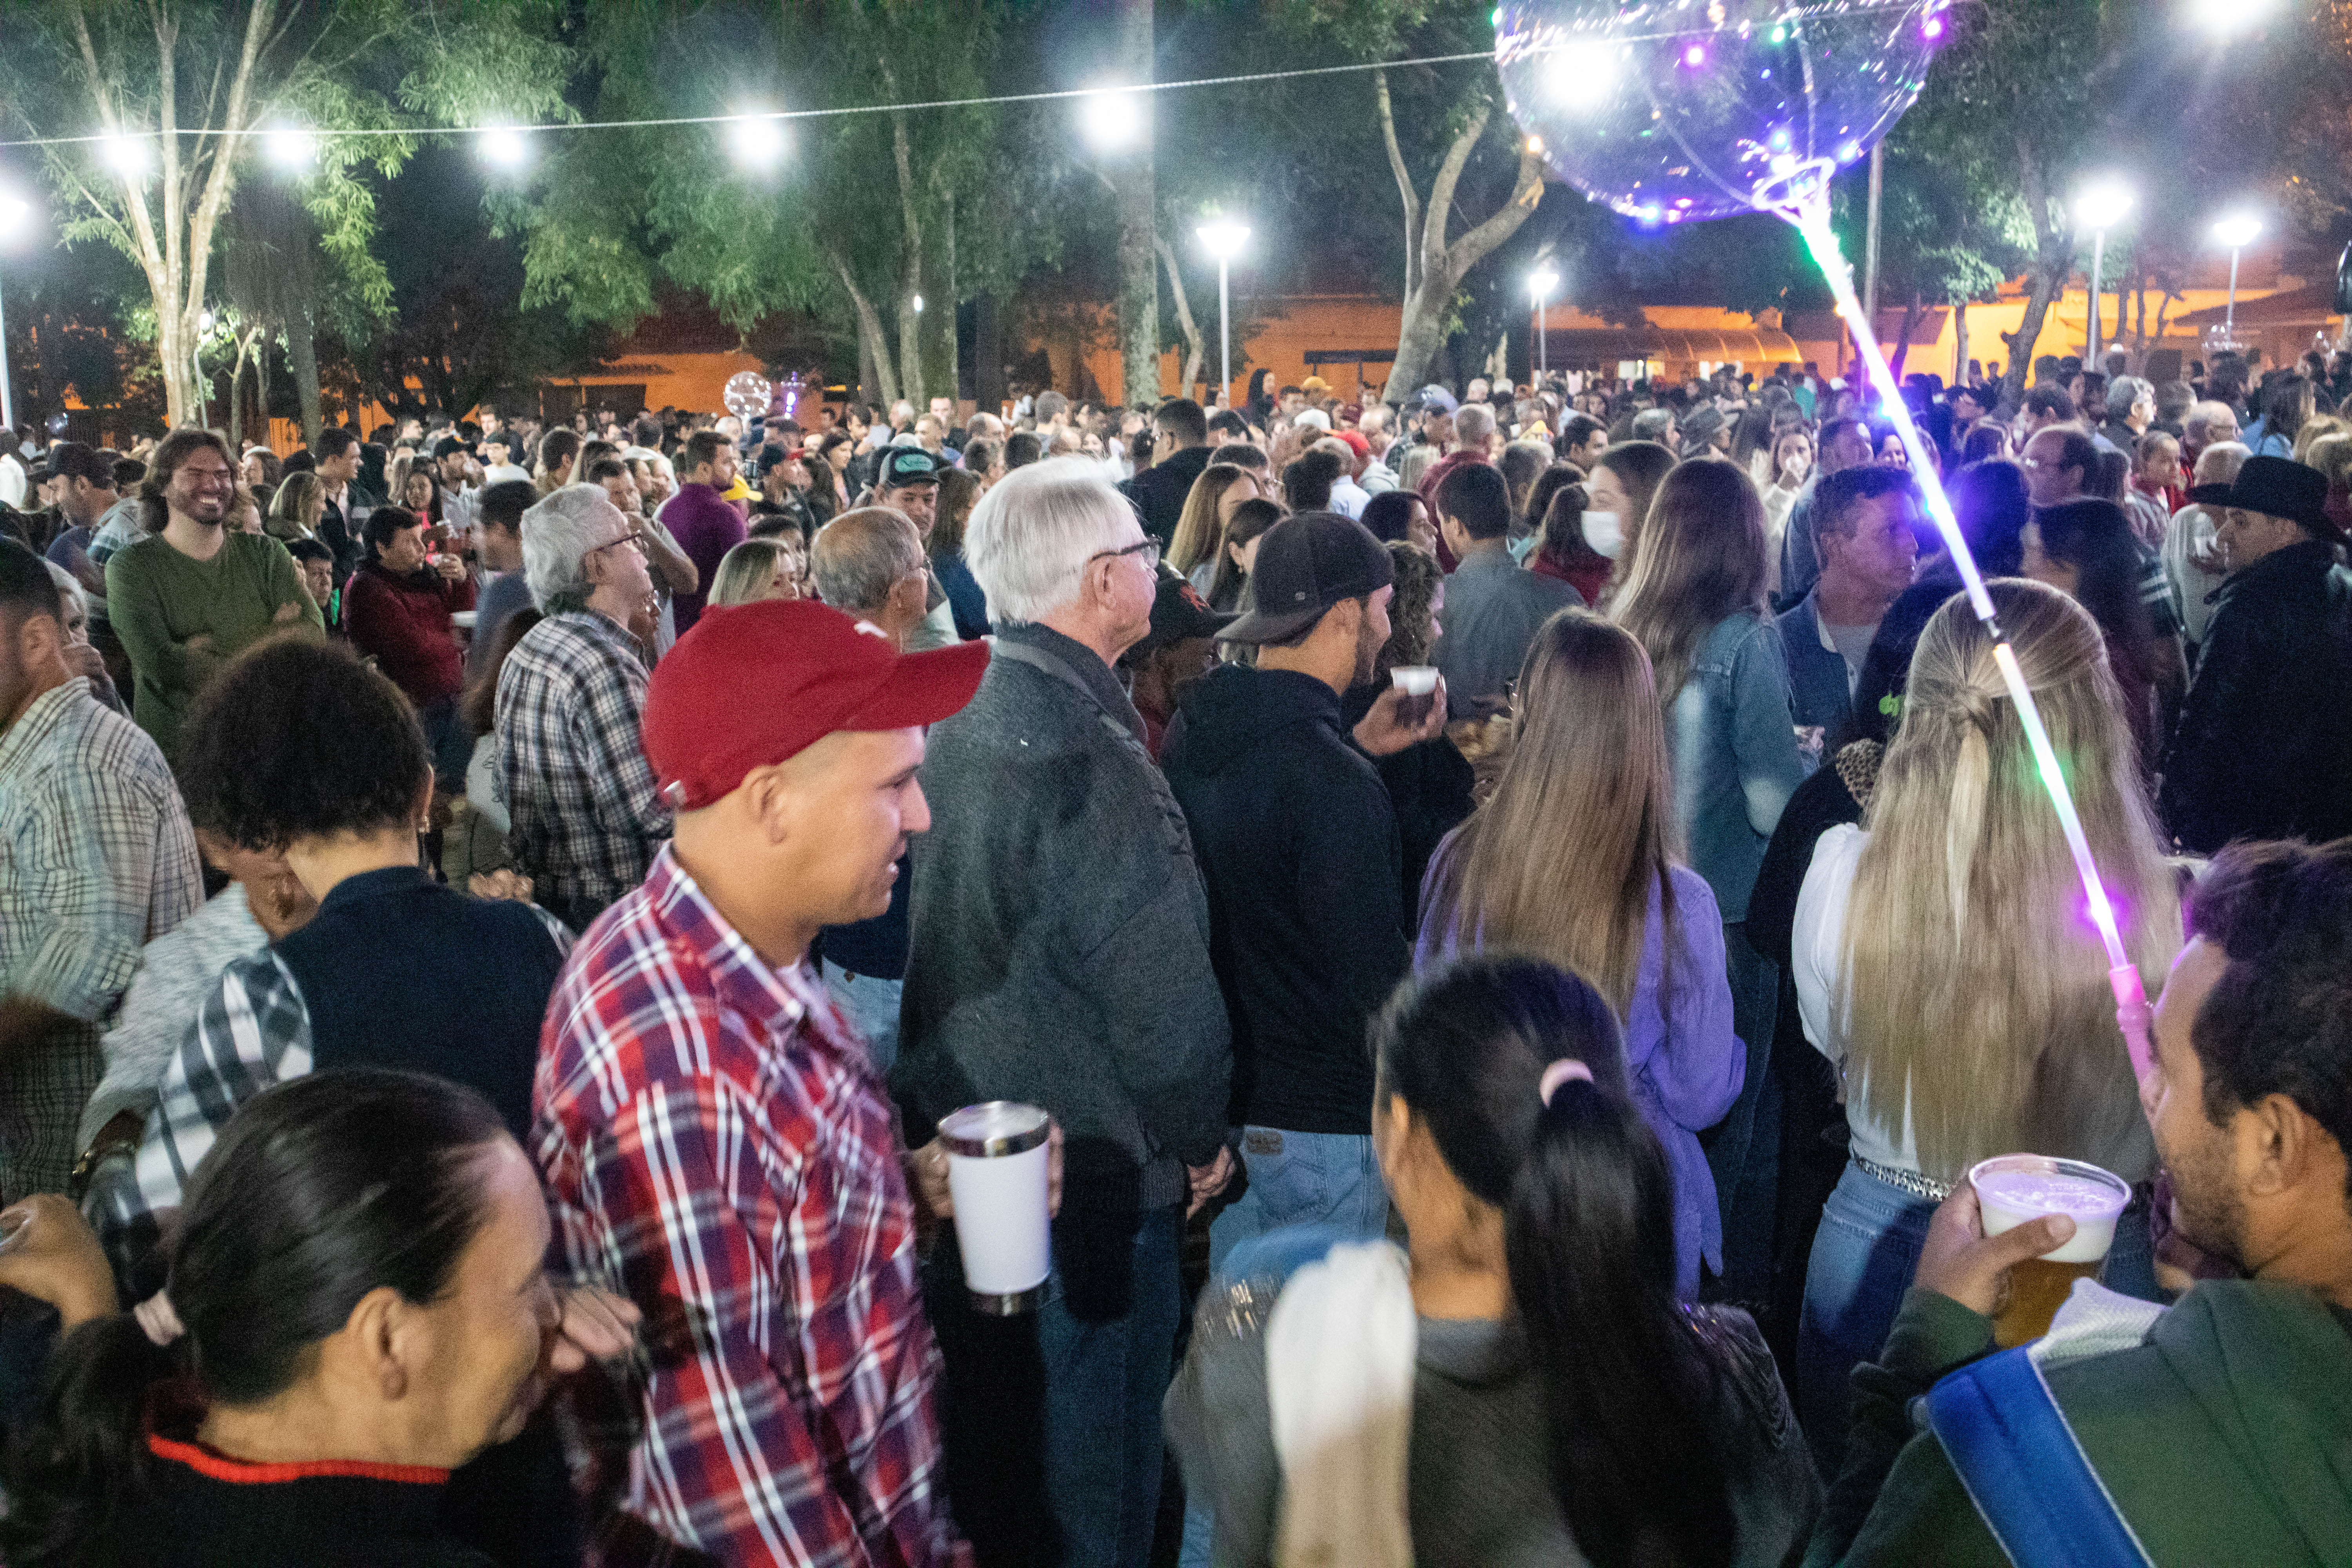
2217 1427
1296 838
1179 450
2264 749
1060 957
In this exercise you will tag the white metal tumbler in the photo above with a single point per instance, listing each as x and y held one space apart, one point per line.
998 1176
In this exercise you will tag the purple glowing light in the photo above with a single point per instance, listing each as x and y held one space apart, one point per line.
1933 28
1695 55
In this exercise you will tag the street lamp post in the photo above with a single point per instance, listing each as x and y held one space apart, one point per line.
2100 207
16 219
1540 283
1224 238
2237 232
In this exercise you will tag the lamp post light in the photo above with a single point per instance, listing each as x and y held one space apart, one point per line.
2237 232
1540 283
1224 238
2100 208
15 221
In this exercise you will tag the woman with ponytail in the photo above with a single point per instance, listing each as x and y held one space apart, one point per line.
1945 965
354 1306
1523 1388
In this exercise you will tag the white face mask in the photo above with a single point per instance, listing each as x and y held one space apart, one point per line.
1604 535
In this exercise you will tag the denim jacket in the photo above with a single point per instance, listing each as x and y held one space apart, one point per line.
1731 738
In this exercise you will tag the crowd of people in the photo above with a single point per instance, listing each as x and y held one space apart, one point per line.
1523 908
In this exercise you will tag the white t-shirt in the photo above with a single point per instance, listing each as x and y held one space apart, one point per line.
1819 962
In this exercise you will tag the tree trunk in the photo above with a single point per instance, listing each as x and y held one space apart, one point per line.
1193 351
2046 287
1960 344
1138 227
1441 267
879 384
302 364
1911 314
988 353
236 401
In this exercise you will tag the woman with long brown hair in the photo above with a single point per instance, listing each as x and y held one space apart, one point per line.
1943 962
1576 860
1208 506
1619 491
1695 599
960 491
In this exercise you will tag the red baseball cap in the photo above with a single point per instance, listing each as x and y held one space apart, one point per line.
754 684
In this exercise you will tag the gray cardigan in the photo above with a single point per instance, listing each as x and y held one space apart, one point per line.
1059 934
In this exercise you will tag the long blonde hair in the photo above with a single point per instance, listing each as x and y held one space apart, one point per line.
1200 529
1562 862
1977 1002
1700 557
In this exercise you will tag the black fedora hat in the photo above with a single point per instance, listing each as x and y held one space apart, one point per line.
2278 488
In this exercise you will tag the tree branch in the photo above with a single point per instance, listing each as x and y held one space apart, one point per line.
1472 247
1411 198
149 255
1441 191
1183 316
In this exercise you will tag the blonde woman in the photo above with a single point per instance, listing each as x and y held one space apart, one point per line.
1695 599
1208 506
1944 963
295 509
1575 860
754 570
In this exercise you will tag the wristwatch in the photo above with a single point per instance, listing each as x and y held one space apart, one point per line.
121 1135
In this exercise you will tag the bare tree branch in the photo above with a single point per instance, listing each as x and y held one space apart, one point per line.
1411 198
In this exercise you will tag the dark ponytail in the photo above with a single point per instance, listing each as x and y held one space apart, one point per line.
316 1192
1588 1208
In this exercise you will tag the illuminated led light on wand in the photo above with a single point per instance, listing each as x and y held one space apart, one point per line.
1809 213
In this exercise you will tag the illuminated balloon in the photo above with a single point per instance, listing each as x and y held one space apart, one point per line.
1672 110
746 393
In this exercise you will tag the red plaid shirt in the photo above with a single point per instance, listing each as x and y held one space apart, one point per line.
715 1144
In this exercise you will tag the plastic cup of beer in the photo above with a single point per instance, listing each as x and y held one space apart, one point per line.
998 1176
1418 684
2015 1189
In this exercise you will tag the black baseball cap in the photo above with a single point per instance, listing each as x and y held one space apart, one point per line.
904 466
1178 611
1305 566
74 458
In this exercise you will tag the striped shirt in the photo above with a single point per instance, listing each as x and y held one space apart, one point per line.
572 768
715 1144
97 859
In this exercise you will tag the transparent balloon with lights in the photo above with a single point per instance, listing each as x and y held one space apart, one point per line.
1672 110
1678 110
747 394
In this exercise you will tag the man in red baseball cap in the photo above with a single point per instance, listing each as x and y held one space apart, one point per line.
714 1140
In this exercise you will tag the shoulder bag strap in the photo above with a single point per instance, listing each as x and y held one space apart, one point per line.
2024 1470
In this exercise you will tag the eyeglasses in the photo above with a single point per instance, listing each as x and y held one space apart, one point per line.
1148 550
631 540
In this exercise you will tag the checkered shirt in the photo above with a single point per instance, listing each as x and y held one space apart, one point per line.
96 860
586 817
715 1144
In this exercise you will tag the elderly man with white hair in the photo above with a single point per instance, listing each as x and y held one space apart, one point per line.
586 817
1060 957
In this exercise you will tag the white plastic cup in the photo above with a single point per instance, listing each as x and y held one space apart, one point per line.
2013 1189
1418 682
998 1175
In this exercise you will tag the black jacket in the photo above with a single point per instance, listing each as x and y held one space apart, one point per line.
2264 749
1296 838
1160 490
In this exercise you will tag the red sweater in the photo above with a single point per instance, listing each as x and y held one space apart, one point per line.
402 623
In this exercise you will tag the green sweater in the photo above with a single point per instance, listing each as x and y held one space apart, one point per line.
158 598
2224 1436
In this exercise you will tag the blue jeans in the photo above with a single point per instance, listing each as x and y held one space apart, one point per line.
447 742
1743 1149
1328 1179
871 1004
1863 1257
1052 1419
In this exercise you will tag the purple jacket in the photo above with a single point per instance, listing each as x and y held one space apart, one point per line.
706 528
1684 1082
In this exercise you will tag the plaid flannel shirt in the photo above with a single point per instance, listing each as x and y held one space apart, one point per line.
715 1144
96 860
586 816
252 1031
